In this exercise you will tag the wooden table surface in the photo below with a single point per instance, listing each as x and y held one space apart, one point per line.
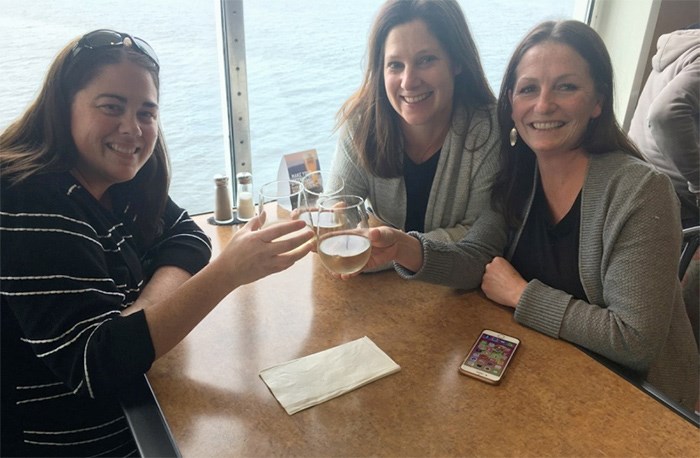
554 400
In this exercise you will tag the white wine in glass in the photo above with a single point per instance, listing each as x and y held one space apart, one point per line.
343 246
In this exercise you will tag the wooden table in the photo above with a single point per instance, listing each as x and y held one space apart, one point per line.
554 400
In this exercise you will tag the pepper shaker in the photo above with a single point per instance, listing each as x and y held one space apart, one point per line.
223 213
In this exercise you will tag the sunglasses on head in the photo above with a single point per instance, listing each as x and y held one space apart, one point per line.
106 38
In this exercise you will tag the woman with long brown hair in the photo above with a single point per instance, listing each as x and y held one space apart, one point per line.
583 238
419 137
101 272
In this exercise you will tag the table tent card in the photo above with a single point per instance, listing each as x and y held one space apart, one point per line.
313 379
294 166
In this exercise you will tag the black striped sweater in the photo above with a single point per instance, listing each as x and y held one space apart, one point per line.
68 267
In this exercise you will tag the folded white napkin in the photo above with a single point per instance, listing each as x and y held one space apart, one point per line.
313 379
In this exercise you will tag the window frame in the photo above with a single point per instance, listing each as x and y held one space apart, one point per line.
237 117
236 87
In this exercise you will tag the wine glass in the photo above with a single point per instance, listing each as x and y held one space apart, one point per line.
342 231
316 185
280 201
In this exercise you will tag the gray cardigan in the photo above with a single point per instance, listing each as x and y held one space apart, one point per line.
461 187
628 256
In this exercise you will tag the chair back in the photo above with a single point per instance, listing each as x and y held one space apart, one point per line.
691 241
689 274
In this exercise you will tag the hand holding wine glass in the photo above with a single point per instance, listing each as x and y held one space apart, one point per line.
343 243
391 244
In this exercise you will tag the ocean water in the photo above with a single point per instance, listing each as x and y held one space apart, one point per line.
304 58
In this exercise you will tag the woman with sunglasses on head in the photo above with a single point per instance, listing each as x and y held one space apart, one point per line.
419 137
590 232
101 271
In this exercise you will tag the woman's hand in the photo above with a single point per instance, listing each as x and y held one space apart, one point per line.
385 245
502 283
254 253
389 244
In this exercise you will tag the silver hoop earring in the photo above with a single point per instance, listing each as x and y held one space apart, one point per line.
513 136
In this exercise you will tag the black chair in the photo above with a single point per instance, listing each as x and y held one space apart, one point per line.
691 241
148 426
690 278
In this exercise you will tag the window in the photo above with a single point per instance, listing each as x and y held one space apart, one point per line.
304 58
185 36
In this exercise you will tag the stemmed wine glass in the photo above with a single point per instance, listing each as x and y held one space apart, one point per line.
316 185
280 200
343 243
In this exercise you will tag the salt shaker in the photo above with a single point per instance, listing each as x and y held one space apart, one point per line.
244 196
223 213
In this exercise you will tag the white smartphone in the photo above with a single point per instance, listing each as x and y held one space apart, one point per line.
489 356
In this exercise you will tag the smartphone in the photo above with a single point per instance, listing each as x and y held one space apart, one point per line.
489 357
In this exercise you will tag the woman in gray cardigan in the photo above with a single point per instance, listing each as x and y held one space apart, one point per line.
591 233
419 137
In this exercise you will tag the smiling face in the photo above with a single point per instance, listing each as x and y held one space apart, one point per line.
418 76
554 98
114 124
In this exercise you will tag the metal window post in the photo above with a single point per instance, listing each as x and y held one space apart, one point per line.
236 79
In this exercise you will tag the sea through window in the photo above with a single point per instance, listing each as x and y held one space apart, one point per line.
184 34
303 59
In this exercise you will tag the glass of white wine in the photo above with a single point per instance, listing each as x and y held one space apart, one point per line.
280 200
343 243
316 185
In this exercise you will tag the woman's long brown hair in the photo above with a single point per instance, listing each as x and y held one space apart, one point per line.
40 141
368 113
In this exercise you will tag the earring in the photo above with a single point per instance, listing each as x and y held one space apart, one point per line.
513 136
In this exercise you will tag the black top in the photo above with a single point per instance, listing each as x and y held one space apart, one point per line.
418 179
69 267
549 253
